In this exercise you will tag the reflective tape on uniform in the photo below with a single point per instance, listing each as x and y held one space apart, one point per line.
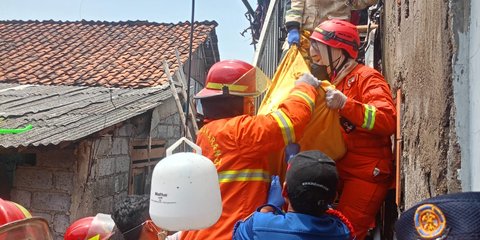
296 13
305 97
285 125
245 175
369 117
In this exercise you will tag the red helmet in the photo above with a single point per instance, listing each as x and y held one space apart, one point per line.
239 77
89 227
338 34
10 211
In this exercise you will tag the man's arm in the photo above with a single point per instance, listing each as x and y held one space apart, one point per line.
376 112
265 133
243 230
294 14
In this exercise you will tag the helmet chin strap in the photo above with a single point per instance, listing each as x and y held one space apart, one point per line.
334 70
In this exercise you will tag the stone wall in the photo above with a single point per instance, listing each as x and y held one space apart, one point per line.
45 189
418 51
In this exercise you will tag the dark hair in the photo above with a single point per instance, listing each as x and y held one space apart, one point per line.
130 213
311 180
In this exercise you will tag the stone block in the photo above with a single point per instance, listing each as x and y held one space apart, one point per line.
102 146
104 205
22 197
58 236
105 166
176 119
60 223
121 183
33 178
46 216
171 132
162 131
63 181
104 187
126 130
119 146
177 131
122 164
51 201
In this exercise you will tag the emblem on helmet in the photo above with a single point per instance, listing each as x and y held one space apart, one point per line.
429 221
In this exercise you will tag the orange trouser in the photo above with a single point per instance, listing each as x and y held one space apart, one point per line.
360 201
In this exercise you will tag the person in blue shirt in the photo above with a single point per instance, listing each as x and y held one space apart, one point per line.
309 190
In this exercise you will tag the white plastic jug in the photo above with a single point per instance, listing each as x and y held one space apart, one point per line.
185 192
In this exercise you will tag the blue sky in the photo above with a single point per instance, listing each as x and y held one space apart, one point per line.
228 13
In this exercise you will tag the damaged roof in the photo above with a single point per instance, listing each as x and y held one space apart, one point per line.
68 113
92 53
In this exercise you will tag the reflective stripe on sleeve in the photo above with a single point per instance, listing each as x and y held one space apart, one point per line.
305 97
246 175
369 117
294 13
231 87
285 125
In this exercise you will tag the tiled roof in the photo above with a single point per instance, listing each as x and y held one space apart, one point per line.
68 113
86 53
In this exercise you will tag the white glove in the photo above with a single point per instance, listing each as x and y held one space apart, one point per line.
335 99
309 79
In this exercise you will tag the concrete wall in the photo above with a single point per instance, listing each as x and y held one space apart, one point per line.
472 179
418 57
45 189
166 122
105 179
89 176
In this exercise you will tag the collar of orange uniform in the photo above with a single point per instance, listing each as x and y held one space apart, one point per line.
347 69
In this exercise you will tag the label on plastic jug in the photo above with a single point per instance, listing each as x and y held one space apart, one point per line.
161 198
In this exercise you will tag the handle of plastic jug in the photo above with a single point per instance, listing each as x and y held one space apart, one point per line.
195 147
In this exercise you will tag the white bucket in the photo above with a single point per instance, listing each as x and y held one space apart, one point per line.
185 193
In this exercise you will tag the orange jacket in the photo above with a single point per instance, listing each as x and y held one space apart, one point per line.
238 147
371 110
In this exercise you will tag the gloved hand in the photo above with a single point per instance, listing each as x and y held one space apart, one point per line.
310 79
291 150
335 99
293 36
275 197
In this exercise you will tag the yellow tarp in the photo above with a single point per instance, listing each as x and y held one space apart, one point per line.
324 131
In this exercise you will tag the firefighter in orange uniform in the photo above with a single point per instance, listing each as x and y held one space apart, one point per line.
364 101
238 142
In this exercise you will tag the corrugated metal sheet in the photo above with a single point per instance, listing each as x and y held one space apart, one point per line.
66 113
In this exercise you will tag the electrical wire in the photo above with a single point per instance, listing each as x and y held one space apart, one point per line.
189 68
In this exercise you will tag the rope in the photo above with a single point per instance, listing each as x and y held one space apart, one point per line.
344 219
189 68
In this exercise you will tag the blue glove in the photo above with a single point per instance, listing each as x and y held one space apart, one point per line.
275 197
293 36
291 150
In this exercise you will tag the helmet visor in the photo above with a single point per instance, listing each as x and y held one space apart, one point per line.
101 227
34 228
253 83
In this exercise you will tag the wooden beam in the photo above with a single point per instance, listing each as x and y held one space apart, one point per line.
398 149
364 28
177 100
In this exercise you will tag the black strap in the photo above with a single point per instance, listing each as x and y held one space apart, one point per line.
331 35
